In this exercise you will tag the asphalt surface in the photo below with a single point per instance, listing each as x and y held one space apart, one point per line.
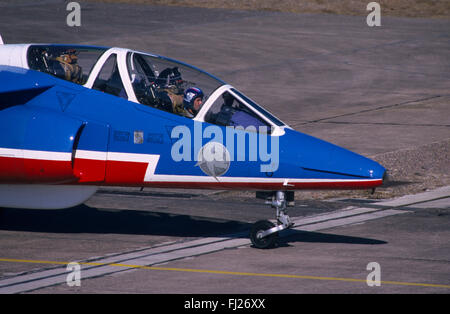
373 90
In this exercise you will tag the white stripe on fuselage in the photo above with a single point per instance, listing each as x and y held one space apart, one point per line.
35 154
152 161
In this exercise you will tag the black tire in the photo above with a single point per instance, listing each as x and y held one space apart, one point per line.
266 242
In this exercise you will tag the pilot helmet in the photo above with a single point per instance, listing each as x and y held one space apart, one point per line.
189 97
169 77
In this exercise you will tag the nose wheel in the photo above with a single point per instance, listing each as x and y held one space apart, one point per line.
258 235
264 233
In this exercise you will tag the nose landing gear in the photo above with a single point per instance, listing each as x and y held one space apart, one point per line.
264 233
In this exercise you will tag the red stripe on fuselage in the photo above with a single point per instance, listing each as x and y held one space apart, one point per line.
88 170
14 170
127 173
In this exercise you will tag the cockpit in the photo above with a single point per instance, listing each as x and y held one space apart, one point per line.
163 84
154 81
71 63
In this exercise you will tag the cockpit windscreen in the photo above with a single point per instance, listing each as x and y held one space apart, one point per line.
169 85
71 63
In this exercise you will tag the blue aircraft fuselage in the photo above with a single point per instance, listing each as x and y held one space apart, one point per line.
56 132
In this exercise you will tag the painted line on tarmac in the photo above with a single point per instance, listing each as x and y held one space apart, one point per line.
414 199
163 254
148 257
233 273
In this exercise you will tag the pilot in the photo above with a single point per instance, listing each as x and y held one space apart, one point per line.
193 101
72 71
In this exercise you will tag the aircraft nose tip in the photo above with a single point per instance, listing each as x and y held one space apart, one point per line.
369 168
377 171
386 177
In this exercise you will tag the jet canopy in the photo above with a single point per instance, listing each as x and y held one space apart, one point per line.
154 81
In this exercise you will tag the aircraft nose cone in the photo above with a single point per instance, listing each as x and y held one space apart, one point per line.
373 169
320 159
356 165
337 162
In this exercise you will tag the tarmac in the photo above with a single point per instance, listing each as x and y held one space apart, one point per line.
379 91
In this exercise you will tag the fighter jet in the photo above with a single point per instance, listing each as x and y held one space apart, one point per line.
74 118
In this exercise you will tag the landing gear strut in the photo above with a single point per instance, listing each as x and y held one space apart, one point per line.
264 233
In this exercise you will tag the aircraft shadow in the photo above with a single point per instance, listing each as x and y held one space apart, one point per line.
317 237
85 219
